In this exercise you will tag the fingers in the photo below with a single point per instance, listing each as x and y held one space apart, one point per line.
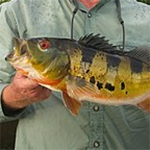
24 82
45 93
37 94
22 92
31 89
20 75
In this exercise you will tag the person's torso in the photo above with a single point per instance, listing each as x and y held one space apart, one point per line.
50 125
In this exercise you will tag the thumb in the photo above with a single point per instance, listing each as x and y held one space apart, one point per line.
20 75
24 81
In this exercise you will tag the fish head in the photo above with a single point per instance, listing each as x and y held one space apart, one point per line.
47 58
40 55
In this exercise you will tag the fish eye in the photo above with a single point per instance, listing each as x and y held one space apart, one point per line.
44 44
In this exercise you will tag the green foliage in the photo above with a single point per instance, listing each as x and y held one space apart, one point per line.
2 1
144 1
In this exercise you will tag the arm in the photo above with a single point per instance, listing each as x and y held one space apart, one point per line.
15 97
21 93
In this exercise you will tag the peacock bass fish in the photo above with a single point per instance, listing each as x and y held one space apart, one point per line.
89 69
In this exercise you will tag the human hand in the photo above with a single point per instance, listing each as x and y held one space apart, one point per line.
22 92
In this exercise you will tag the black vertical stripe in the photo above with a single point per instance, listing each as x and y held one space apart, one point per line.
88 55
136 66
112 61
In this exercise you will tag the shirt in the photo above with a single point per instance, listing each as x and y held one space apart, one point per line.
49 125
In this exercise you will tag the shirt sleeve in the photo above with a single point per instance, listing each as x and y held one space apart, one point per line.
8 30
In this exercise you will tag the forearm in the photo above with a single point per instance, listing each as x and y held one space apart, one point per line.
8 29
20 94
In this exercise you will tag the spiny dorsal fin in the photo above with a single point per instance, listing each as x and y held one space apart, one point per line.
97 42
141 53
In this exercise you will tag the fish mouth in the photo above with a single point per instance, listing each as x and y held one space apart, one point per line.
15 55
10 56
20 49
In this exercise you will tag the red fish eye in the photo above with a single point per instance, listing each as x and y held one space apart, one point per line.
44 44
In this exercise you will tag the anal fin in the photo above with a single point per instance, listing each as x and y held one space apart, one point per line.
145 105
72 104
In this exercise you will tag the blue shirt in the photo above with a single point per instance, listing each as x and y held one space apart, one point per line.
49 125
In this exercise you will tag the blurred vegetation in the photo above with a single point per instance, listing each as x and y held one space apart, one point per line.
2 1
144 1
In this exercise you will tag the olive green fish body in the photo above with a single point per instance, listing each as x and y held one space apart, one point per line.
89 69
117 78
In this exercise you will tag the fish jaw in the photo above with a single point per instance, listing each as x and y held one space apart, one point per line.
24 66
21 64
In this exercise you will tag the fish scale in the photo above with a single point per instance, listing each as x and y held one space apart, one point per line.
89 69
115 80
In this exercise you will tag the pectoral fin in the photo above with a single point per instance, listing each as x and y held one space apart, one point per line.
72 104
81 90
145 105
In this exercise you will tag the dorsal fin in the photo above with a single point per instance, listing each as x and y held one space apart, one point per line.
97 42
141 53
